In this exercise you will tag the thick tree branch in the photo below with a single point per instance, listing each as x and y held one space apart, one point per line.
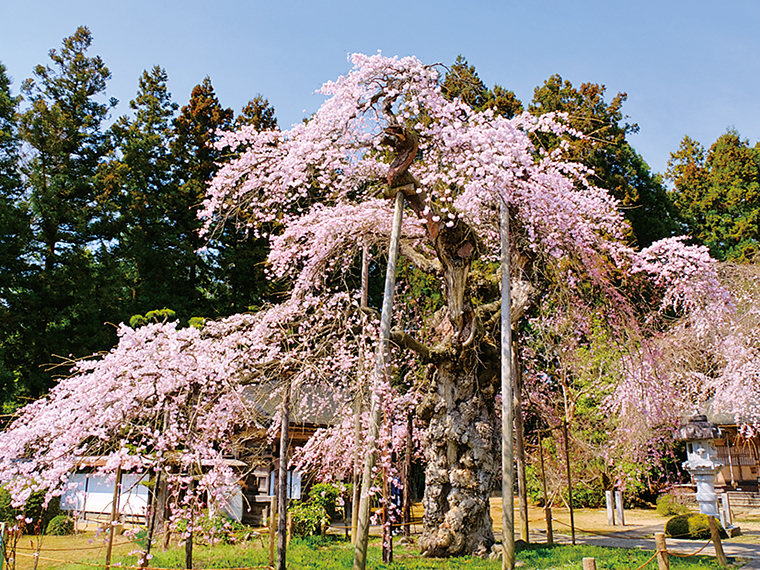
405 340
421 261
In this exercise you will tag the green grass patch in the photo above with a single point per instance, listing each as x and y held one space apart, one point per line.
333 553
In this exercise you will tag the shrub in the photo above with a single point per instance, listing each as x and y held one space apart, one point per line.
61 525
33 509
308 518
693 526
669 505
327 495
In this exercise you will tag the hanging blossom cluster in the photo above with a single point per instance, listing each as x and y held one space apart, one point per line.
468 163
706 358
321 181
182 400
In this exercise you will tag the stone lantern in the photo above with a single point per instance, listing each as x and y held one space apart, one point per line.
701 463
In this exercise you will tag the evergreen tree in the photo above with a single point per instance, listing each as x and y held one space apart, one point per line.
617 166
14 224
718 194
196 161
142 185
462 81
70 290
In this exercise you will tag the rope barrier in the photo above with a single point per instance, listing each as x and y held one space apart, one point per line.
692 554
656 552
136 567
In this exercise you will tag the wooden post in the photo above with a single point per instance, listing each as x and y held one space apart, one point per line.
507 403
290 527
547 506
407 504
114 515
387 530
719 554
522 482
589 564
381 370
619 505
152 509
662 551
610 507
282 491
356 496
569 477
272 528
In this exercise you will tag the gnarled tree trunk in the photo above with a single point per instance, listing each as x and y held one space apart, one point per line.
462 460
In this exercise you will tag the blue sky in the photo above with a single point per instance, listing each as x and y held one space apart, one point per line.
688 67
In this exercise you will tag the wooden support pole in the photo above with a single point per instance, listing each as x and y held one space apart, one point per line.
589 564
547 506
282 479
407 500
356 496
272 528
507 403
662 551
569 479
114 515
719 554
381 371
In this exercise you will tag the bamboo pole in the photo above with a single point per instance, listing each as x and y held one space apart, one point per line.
381 369
507 404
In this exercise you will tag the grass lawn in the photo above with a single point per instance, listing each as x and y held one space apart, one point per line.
333 553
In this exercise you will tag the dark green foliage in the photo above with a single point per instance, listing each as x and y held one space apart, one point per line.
326 495
66 287
669 505
694 526
718 194
462 81
60 525
34 509
617 166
